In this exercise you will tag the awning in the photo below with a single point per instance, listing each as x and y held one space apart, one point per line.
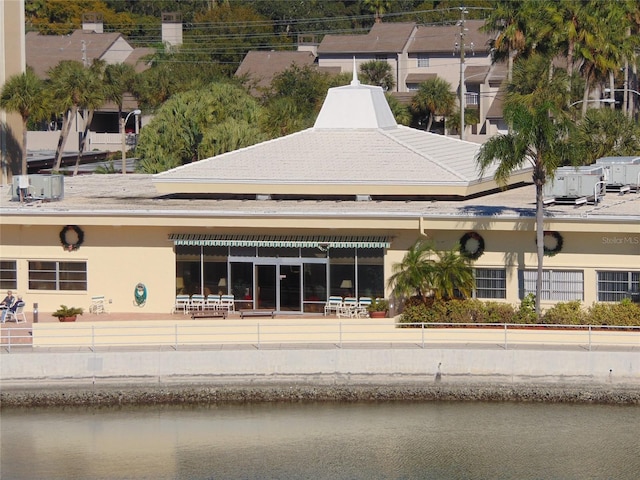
209 240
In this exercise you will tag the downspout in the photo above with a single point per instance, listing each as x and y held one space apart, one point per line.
421 227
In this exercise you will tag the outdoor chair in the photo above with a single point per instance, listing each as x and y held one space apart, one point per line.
213 302
332 305
362 310
182 304
227 302
197 302
97 304
349 307
16 316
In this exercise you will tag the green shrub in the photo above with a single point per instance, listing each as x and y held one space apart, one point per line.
415 313
527 311
625 313
565 313
497 312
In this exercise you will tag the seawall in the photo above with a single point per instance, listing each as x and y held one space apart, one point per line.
357 373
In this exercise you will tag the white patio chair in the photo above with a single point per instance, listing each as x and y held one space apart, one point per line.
197 302
213 302
349 307
97 304
333 305
227 302
362 310
182 304
16 316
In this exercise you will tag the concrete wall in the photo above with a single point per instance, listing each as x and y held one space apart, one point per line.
344 366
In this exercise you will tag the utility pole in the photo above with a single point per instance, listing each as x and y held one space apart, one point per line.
462 86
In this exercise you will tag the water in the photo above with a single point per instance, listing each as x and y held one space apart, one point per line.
395 440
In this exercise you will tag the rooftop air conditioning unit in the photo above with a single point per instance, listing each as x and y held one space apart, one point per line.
576 184
621 171
41 187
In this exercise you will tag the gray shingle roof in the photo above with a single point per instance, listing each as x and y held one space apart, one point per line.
261 66
382 38
45 51
443 38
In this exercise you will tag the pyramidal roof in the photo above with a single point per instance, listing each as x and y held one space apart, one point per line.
355 149
355 106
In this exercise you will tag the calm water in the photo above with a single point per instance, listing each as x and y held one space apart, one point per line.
326 440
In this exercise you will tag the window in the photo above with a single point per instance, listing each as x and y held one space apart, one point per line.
8 275
381 58
560 285
423 60
614 286
57 275
490 283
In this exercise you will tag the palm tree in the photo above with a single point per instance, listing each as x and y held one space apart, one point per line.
426 272
538 139
412 275
378 7
434 97
452 274
378 72
23 93
94 99
118 79
72 86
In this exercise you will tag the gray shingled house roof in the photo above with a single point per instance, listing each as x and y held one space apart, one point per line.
354 148
443 38
44 52
382 38
262 66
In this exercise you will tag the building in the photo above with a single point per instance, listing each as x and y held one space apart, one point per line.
326 211
12 62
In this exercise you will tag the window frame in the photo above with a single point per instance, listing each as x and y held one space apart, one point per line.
552 282
58 275
8 282
632 283
500 290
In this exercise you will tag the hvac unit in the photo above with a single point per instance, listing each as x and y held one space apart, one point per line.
41 187
576 185
620 172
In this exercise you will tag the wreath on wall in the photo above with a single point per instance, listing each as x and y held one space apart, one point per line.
559 241
68 245
472 245
140 294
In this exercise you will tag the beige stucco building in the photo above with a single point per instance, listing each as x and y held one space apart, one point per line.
326 211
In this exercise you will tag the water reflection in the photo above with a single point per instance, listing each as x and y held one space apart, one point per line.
323 440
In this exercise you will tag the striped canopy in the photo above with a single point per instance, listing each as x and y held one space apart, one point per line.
211 240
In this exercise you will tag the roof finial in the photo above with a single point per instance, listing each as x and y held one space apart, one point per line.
355 81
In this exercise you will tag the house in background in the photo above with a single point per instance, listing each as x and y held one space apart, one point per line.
416 53
44 52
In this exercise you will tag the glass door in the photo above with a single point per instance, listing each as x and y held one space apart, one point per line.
266 287
290 287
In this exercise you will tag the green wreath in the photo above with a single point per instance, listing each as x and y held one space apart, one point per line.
472 254
550 252
68 245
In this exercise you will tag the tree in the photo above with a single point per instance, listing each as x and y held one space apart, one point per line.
93 99
400 111
604 132
23 94
72 87
377 72
411 276
426 272
118 79
538 139
434 97
198 124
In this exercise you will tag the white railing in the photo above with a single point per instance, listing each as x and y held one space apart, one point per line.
176 335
